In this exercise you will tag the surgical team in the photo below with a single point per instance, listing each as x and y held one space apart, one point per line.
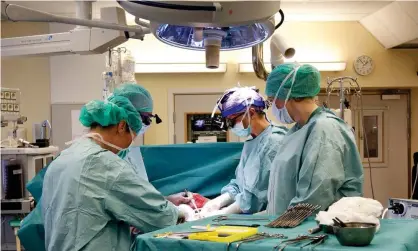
95 190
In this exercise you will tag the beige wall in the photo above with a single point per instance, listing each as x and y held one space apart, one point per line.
314 41
29 74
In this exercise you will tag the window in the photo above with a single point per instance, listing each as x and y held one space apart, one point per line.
372 143
371 136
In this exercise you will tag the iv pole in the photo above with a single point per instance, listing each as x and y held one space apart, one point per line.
344 90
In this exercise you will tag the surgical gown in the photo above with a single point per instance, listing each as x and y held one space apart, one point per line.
91 197
249 188
134 157
318 163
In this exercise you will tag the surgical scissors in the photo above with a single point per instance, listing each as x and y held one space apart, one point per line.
224 217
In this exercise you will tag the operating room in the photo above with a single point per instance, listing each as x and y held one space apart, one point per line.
195 162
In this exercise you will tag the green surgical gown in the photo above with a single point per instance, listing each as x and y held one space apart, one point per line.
249 188
318 163
91 197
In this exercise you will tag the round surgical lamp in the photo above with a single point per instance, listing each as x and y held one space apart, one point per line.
210 26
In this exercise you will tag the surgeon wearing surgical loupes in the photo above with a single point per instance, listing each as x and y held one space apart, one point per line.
244 109
91 196
318 161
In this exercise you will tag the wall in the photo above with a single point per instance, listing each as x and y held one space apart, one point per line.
314 41
328 41
75 78
29 74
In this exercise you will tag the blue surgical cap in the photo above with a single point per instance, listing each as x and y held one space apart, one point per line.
238 99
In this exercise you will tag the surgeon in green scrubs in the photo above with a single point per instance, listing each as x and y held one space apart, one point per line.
318 161
91 196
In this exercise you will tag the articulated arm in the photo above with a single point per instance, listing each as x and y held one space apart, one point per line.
109 32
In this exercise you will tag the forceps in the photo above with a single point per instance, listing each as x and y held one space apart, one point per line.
224 217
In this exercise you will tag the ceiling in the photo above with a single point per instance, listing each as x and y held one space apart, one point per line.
295 10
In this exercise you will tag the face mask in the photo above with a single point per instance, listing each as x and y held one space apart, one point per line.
123 152
98 137
282 115
144 128
239 129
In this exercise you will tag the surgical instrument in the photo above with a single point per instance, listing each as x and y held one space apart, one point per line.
260 236
167 234
237 225
224 217
294 216
314 240
186 194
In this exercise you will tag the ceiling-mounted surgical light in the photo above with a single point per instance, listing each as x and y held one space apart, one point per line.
213 39
208 25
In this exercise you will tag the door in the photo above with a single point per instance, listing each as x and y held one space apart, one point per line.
188 104
386 134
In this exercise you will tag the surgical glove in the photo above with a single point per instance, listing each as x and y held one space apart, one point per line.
188 212
182 217
179 198
217 203
231 209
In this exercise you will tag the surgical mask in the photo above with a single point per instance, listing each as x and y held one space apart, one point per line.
144 128
282 114
97 137
123 152
239 129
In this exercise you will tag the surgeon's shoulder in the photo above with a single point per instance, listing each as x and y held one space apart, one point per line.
111 162
330 125
278 130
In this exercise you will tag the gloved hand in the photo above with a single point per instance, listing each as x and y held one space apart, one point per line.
231 209
179 198
188 212
216 204
182 217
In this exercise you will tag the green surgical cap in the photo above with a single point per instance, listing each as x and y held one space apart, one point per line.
125 104
307 81
140 98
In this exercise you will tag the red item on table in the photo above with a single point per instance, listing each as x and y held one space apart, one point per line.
199 200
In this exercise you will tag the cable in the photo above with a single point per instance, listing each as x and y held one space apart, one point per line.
384 213
175 6
281 20
366 144
415 184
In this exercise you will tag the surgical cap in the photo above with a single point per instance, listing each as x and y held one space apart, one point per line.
307 81
125 104
236 100
140 98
